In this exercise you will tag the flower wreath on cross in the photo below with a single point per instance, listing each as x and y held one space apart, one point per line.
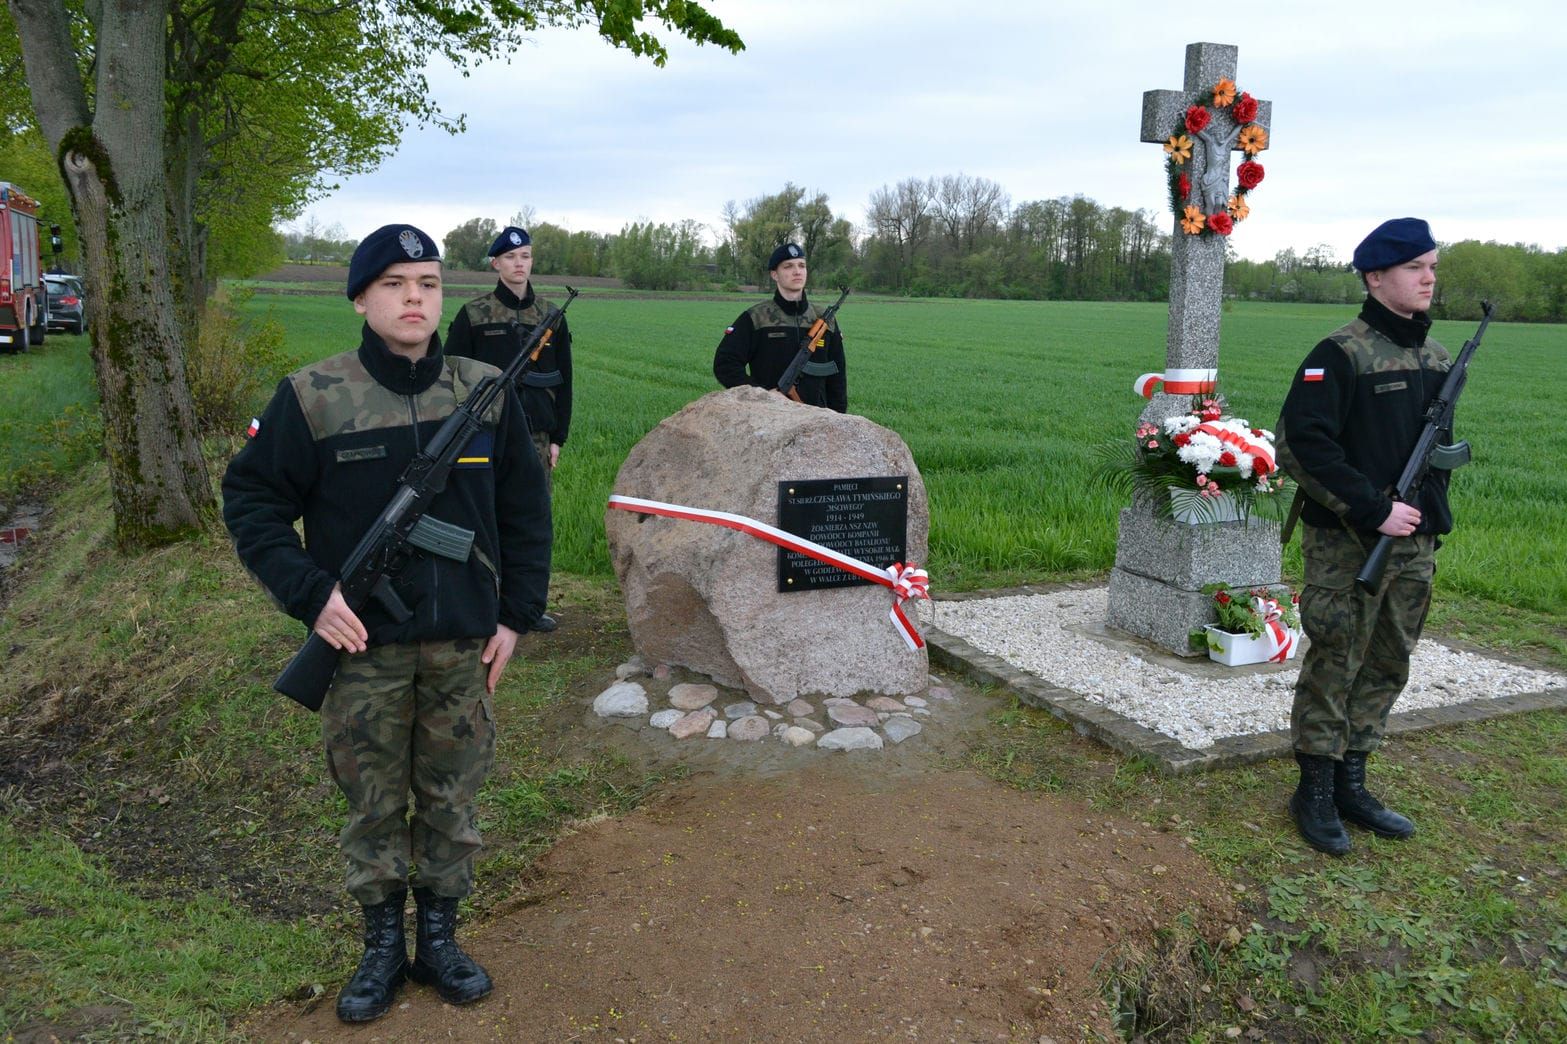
1242 110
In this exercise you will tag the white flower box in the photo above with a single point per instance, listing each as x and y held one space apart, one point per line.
1237 650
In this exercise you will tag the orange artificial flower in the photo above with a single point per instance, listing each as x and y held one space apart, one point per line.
1179 147
1193 221
1253 139
1223 93
1239 208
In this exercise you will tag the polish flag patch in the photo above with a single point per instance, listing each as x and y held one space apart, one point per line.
255 426
729 330
1311 375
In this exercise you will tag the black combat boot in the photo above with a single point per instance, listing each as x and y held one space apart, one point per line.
1312 806
438 960
1357 805
383 967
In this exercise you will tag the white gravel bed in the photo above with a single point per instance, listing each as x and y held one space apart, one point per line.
1046 635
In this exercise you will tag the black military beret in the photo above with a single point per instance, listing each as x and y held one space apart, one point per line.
784 253
511 238
384 247
1392 243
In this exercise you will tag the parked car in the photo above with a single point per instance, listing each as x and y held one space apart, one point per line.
67 303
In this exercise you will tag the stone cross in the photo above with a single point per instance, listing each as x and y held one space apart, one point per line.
1196 262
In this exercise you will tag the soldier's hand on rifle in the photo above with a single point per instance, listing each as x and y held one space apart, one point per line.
1401 521
338 625
497 653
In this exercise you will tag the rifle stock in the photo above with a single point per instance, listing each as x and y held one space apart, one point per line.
1439 419
385 547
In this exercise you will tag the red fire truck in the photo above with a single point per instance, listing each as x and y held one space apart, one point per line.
24 303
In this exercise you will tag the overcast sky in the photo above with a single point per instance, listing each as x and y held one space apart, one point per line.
1441 110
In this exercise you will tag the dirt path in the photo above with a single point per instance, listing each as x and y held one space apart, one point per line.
832 902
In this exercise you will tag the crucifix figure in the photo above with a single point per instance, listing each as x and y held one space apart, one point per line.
1196 261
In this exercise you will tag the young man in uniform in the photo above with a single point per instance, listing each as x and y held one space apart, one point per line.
762 343
492 328
410 705
1350 420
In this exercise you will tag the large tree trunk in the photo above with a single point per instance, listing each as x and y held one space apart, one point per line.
113 167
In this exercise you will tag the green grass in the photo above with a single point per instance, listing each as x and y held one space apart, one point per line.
49 423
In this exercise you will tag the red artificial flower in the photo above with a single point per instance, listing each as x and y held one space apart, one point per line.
1245 109
1260 467
1227 459
1257 432
1197 117
1185 185
1181 440
1222 598
1211 412
1249 175
1221 223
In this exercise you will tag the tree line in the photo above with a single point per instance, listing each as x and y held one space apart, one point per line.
960 236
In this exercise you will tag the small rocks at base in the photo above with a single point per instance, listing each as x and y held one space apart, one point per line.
690 697
900 727
624 699
795 736
750 727
696 723
665 718
851 715
851 739
739 710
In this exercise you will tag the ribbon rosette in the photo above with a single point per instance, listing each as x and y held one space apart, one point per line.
1273 629
906 581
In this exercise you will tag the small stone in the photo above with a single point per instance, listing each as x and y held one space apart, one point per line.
810 723
689 697
940 692
912 701
900 727
885 703
662 672
665 718
629 669
923 712
850 739
751 727
852 715
718 730
694 723
779 727
774 715
833 701
624 699
739 710
798 737
800 709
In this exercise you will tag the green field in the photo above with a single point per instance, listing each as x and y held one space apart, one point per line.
1004 405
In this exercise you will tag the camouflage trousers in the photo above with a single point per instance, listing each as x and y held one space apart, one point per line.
1358 660
541 443
413 716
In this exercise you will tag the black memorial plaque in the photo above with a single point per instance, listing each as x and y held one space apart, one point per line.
866 518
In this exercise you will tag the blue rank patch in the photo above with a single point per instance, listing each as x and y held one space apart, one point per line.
477 453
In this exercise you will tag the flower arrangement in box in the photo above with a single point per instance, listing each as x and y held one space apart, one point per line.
1263 624
1204 461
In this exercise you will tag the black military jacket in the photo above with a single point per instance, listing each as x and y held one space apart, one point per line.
492 328
1352 416
758 348
330 449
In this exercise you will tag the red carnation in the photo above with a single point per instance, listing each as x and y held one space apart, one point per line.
1197 117
1181 440
1185 185
1222 598
1211 413
1249 175
1245 109
1227 459
1221 223
1260 467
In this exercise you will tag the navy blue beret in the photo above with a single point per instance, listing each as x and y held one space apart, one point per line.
384 247
787 252
1392 243
511 238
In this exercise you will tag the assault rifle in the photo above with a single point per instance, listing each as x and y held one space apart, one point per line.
791 376
1428 452
403 527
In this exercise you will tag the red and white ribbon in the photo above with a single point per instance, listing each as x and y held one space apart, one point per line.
905 581
1279 638
1252 449
1177 382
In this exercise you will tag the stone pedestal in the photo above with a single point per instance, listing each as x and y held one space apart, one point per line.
1161 567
